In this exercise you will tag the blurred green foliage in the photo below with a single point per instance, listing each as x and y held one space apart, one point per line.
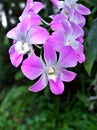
73 110
20 110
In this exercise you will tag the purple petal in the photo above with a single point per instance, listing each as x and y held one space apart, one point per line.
57 23
77 30
29 2
83 10
23 27
35 18
78 19
40 84
80 54
67 29
32 67
80 39
49 54
37 6
67 75
15 58
58 4
68 11
67 57
57 40
12 34
26 10
56 87
37 35
80 57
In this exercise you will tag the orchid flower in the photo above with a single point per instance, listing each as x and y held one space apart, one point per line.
52 70
73 5
31 8
25 34
60 50
72 10
72 35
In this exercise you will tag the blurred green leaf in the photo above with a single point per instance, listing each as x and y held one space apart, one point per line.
19 75
83 99
92 2
91 53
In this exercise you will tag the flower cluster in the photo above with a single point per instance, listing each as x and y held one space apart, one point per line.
59 49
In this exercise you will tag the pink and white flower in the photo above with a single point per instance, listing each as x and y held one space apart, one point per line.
32 8
52 70
25 34
72 10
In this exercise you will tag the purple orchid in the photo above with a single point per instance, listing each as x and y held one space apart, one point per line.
77 18
25 34
72 10
60 50
52 70
69 35
72 5
78 7
32 8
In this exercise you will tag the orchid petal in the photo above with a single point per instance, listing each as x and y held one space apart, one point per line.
78 19
23 27
12 34
49 54
67 57
83 10
56 87
80 54
26 10
32 67
37 35
58 4
57 23
15 58
57 40
67 75
29 2
37 6
77 30
40 84
80 57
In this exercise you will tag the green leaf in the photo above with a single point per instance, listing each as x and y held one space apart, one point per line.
19 75
92 2
91 53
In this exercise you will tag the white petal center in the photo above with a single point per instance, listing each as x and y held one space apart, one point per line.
51 72
22 47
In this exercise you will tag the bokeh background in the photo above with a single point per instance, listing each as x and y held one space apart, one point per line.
75 109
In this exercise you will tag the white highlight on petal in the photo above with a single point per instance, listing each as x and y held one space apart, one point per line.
22 47
72 42
71 3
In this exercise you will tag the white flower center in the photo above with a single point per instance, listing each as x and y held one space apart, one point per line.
71 3
22 47
72 42
52 73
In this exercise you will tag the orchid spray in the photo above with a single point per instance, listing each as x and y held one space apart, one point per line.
62 47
